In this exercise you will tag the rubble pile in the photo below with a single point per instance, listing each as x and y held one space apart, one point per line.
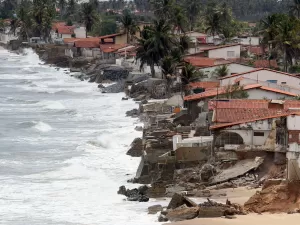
276 196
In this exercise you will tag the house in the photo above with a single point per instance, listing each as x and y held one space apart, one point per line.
200 62
119 38
64 32
203 85
233 68
110 50
88 47
6 34
264 75
256 51
80 31
198 103
252 125
232 51
247 40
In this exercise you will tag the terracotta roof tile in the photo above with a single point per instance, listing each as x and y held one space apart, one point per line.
204 84
200 61
111 47
255 70
70 40
265 64
65 29
278 91
87 43
220 46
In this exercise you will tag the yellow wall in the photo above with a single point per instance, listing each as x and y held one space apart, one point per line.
121 39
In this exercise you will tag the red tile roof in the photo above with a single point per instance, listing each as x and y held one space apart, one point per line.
87 43
265 64
58 24
107 48
220 46
256 50
204 84
65 29
111 35
223 90
70 40
237 111
218 126
215 92
256 70
200 61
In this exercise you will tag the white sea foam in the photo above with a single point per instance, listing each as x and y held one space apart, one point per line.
55 105
43 127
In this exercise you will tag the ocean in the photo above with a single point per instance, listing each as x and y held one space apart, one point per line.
63 149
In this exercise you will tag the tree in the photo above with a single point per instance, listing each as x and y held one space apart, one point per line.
71 7
295 8
155 43
234 92
193 11
221 71
62 4
88 16
128 23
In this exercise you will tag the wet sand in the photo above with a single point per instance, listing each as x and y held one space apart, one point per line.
251 219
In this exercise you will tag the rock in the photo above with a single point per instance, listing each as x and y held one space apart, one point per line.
73 70
124 98
115 88
143 198
230 217
136 149
211 212
140 98
101 86
226 185
179 200
162 218
154 209
143 190
144 102
132 113
122 190
138 128
181 214
207 171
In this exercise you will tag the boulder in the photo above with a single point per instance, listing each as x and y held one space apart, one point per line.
210 212
179 200
181 214
136 149
162 218
124 98
133 113
122 190
138 128
143 189
207 171
154 209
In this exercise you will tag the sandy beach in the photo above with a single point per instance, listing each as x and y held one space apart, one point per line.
241 195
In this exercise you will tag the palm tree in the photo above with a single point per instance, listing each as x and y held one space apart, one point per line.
295 8
221 71
62 6
71 7
193 10
155 43
88 16
128 23
179 19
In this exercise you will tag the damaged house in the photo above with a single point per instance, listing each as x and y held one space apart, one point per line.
251 127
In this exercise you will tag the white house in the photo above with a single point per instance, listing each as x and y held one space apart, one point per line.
80 32
6 35
233 68
223 51
253 41
271 76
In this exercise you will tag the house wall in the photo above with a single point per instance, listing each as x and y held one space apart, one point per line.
265 75
65 36
233 68
261 94
293 165
293 122
190 154
246 131
80 32
254 41
86 52
121 39
5 38
222 52
246 81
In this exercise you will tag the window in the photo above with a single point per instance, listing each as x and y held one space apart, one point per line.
283 82
230 54
259 134
272 81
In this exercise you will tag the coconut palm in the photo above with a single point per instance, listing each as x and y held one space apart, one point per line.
295 8
88 16
193 10
221 71
155 43
62 4
128 23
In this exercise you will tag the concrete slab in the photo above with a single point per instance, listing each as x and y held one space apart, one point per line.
239 169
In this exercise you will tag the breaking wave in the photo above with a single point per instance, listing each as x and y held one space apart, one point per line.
39 126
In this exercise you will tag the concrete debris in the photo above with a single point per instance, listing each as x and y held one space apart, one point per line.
239 169
136 149
179 200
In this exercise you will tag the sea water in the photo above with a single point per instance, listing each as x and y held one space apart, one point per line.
63 149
